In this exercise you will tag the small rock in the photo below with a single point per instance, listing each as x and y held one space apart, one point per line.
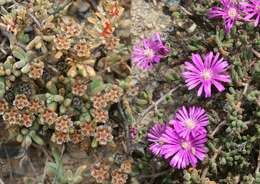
84 7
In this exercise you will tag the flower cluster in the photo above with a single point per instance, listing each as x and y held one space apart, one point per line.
202 73
232 11
101 172
148 52
183 139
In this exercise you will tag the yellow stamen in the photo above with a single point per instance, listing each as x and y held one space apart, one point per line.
149 53
160 141
185 145
207 75
232 12
190 124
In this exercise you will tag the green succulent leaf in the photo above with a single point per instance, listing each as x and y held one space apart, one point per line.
19 53
37 139
2 86
96 86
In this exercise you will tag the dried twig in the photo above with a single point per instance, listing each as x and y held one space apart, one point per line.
246 87
206 169
186 11
154 2
152 106
257 54
32 167
2 46
126 126
155 175
37 22
217 129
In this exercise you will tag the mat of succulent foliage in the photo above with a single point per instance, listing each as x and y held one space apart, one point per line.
80 104
63 70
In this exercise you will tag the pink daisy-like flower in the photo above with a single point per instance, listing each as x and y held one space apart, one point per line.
191 122
252 10
183 152
229 13
154 136
148 52
211 71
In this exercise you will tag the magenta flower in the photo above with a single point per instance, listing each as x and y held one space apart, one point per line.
211 71
154 136
229 13
183 152
148 52
161 48
191 122
252 9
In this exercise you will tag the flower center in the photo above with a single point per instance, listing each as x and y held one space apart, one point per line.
206 74
257 7
185 145
149 53
232 12
190 124
160 141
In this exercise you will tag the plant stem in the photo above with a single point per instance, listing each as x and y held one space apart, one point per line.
206 169
217 129
154 175
154 105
